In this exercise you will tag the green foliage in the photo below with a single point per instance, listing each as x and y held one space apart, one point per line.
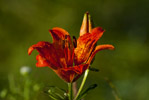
84 93
56 93
23 91
94 69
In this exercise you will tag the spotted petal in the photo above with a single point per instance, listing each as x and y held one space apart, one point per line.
86 44
58 34
70 73
99 48
48 55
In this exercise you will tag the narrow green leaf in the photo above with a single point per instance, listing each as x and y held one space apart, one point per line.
94 69
60 89
83 94
55 92
53 97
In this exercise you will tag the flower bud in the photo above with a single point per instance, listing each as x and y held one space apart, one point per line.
86 26
25 70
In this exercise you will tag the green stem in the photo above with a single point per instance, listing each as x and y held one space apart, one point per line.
26 88
70 91
82 84
12 84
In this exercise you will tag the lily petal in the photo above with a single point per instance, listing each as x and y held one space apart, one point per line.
99 48
58 34
42 62
85 45
48 54
86 26
69 74
68 50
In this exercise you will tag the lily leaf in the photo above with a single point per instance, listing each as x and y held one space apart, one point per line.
57 88
94 69
83 94
55 93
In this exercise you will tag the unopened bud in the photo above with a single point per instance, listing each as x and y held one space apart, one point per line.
86 24
25 70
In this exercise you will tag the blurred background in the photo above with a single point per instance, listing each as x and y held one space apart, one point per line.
26 22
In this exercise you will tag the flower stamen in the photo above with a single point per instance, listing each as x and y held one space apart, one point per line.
74 42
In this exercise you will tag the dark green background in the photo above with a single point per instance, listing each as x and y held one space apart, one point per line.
25 22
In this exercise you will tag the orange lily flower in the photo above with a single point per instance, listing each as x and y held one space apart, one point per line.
69 59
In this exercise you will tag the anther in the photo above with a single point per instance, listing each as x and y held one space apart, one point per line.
63 44
68 45
74 42
66 36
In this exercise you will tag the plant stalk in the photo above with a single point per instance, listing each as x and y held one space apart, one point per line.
82 84
70 91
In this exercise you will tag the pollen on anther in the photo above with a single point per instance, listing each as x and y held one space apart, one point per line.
63 44
74 42
66 36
